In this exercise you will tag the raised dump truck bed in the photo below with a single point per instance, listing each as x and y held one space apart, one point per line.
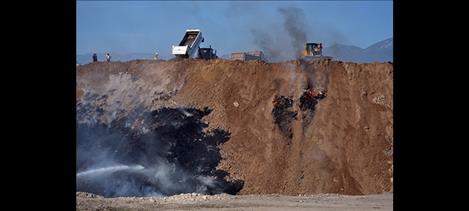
189 44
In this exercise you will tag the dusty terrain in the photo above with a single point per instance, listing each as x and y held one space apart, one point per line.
318 202
342 144
288 149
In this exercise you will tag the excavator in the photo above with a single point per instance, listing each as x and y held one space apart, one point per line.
313 51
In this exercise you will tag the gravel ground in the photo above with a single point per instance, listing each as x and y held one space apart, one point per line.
193 201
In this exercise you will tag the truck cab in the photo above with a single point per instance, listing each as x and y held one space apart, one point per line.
207 53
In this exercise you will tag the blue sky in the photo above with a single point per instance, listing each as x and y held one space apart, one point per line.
150 26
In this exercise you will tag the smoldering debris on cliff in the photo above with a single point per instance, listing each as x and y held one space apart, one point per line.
308 101
284 115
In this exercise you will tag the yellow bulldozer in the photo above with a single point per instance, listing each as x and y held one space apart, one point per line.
314 51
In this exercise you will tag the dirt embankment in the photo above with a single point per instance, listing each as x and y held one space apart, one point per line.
282 139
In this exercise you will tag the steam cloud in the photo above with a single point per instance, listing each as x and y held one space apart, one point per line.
163 152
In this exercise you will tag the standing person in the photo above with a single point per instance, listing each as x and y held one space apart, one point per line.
95 57
156 56
108 57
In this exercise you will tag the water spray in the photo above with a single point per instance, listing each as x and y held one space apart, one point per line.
109 169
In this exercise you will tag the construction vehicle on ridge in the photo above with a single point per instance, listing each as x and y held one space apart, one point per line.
248 56
189 44
313 51
207 53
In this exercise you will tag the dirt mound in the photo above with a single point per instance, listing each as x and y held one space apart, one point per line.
283 139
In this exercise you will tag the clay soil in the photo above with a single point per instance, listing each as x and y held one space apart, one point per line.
343 146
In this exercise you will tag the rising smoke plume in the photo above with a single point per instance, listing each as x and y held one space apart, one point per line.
280 45
295 24
267 44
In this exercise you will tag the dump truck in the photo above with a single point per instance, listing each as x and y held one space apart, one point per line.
207 53
189 44
314 51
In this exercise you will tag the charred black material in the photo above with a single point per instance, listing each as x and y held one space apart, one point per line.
174 140
308 104
283 114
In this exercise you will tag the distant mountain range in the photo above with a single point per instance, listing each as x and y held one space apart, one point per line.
379 52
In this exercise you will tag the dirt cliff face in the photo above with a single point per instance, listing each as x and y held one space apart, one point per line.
283 139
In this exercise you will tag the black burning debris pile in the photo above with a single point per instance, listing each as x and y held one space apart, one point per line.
163 152
283 114
308 101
